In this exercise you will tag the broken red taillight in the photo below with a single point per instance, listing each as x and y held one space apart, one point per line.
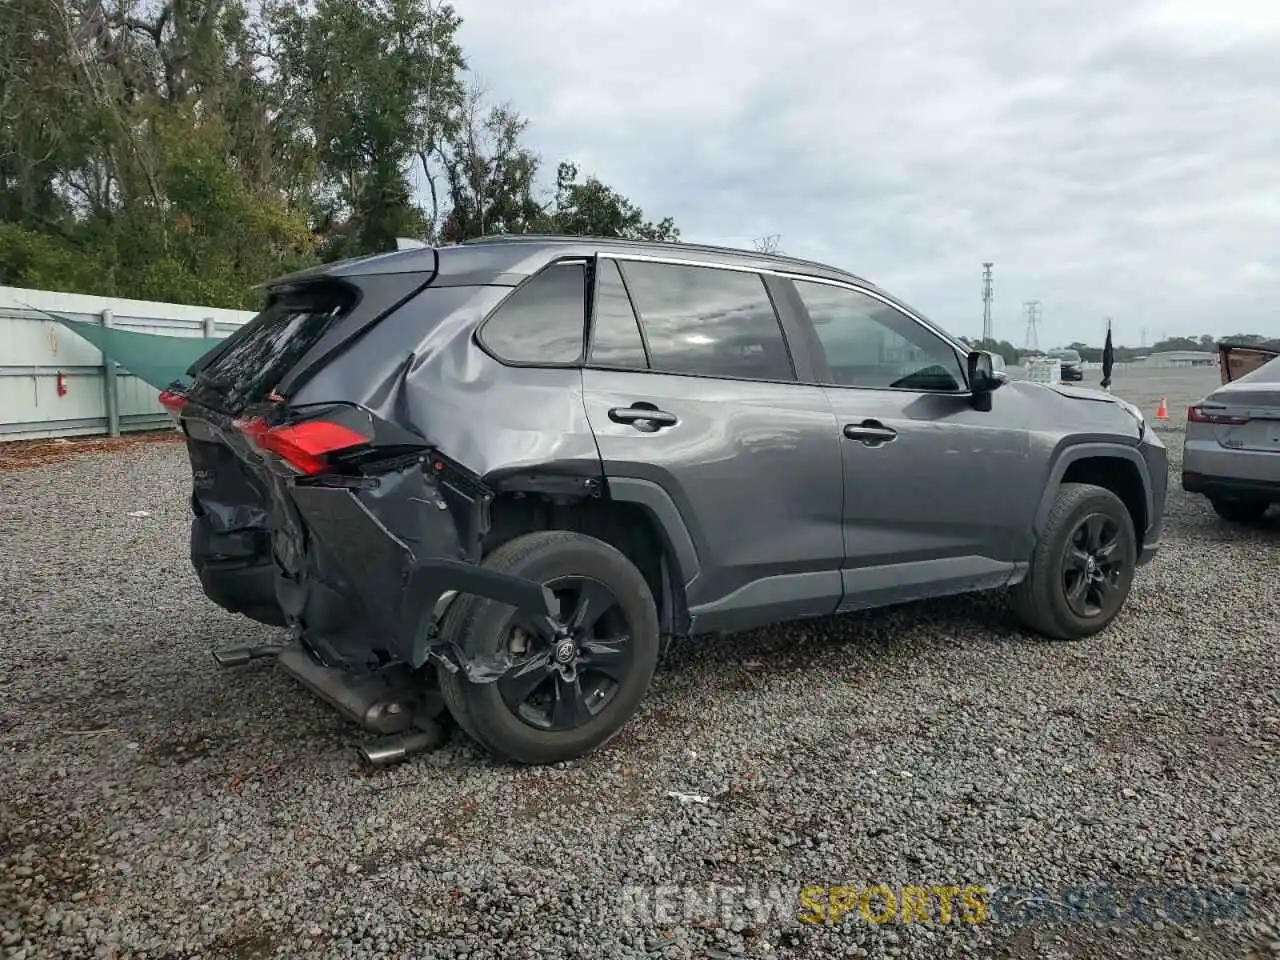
1198 414
173 402
304 446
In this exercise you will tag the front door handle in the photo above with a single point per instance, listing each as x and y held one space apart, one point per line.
870 433
645 417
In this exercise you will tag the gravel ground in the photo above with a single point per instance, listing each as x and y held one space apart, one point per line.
154 806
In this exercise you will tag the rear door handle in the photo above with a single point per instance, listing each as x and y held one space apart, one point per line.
645 417
870 433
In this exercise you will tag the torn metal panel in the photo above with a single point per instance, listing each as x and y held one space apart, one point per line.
396 549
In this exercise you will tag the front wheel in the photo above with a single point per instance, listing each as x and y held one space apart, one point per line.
569 687
1239 511
1082 567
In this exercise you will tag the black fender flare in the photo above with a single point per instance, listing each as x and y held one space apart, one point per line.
652 498
1087 451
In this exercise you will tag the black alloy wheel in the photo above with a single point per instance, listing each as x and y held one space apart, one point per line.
569 681
568 672
1082 566
1092 568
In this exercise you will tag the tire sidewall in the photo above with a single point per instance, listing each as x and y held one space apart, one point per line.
1106 503
489 623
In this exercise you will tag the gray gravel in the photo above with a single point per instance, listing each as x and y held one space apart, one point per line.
154 806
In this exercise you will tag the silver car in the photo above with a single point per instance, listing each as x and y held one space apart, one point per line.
1232 449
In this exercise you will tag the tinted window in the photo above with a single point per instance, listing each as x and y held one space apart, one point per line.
871 344
615 334
258 356
708 321
544 320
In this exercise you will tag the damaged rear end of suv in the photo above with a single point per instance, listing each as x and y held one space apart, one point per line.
345 456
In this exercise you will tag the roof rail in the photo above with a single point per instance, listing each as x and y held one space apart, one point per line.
675 244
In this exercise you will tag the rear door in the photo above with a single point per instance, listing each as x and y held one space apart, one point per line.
703 416
938 497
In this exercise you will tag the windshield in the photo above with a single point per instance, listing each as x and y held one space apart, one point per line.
1065 354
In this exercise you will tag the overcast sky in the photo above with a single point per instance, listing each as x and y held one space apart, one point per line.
1112 159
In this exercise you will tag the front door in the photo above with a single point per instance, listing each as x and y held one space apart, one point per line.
934 495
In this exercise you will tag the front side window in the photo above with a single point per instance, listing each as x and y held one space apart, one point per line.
869 343
544 320
708 321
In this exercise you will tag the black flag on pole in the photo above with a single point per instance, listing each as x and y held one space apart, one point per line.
1108 359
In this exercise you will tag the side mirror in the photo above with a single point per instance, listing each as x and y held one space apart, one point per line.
984 377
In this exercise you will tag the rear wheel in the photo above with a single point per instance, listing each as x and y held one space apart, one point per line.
568 687
1239 511
1082 567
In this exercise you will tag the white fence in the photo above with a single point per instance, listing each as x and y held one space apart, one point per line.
35 350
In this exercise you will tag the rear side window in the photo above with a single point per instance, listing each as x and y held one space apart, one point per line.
544 321
708 321
615 333
259 355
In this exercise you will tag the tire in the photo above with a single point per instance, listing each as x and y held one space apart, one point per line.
494 714
1045 600
1239 511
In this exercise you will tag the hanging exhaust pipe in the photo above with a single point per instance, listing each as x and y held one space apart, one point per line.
383 753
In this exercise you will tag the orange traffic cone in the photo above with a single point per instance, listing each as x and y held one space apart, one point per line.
1163 412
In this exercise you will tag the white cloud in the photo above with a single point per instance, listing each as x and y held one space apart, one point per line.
1113 160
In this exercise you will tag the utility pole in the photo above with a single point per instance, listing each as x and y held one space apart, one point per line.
1144 336
1032 312
987 333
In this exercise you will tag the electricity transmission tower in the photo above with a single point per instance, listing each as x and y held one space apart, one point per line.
1032 311
986 302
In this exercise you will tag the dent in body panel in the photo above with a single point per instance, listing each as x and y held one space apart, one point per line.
754 468
421 365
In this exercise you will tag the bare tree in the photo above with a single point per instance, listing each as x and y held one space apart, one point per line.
768 243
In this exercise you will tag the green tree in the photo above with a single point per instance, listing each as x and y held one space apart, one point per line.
590 208
124 168
187 150
374 85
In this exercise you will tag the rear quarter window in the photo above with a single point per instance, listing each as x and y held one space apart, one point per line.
544 321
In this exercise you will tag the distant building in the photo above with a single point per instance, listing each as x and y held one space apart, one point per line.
1179 358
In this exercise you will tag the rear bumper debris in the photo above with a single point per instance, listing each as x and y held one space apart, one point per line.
378 570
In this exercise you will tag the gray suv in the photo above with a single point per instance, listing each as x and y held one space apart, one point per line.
490 480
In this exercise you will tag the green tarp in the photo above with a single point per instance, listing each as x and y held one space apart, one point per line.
152 357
